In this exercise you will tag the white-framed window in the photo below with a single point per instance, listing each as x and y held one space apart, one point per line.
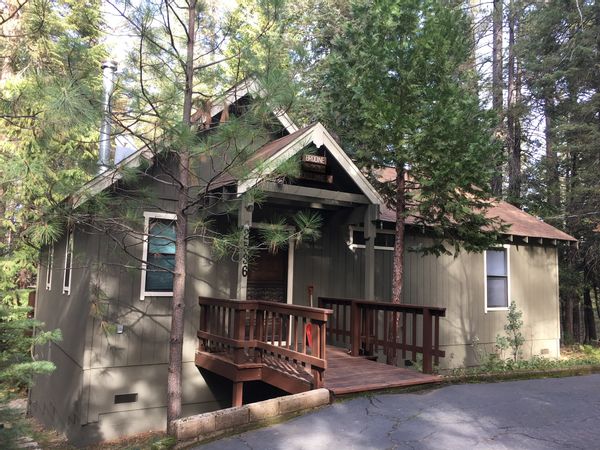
158 254
384 239
68 267
49 267
496 263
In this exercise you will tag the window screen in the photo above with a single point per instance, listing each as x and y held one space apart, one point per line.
497 278
161 256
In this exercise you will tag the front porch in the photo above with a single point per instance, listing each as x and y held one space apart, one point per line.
299 348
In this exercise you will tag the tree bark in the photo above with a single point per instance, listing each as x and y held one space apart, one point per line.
174 388
576 321
597 301
588 316
513 123
569 329
400 204
497 98
552 177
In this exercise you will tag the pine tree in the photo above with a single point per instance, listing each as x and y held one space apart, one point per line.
560 49
398 86
187 55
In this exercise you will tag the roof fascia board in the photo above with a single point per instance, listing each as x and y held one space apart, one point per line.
274 161
108 178
344 160
318 135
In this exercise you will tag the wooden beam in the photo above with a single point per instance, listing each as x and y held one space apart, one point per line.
244 222
237 394
370 232
313 195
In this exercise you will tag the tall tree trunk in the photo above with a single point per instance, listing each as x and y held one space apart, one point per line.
497 85
597 301
569 329
588 316
577 321
174 388
552 177
513 123
398 275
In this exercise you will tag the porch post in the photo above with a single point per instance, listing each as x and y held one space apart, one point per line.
370 232
244 222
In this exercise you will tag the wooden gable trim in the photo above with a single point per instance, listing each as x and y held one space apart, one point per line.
252 87
108 178
318 135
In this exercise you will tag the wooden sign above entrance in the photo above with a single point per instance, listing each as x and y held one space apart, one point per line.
315 159
314 163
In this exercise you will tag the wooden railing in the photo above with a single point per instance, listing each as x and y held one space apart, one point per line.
369 328
269 333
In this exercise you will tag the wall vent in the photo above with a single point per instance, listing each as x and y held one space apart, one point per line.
126 398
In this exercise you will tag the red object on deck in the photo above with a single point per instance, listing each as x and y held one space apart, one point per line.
309 335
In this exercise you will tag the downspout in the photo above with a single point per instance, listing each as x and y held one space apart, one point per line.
108 80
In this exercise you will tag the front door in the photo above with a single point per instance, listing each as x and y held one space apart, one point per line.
268 276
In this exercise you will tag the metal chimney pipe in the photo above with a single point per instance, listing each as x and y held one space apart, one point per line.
108 81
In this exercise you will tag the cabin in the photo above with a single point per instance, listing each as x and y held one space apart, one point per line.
311 315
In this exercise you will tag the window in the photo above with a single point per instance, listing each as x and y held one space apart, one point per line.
384 239
158 255
49 267
496 279
68 268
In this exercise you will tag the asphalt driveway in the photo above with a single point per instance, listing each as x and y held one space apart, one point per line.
534 414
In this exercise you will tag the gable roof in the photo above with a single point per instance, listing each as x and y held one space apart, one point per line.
521 223
271 155
105 180
252 87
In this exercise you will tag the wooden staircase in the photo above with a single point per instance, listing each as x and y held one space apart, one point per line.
279 344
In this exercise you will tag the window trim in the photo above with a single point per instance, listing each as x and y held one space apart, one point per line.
149 215
68 268
506 248
49 267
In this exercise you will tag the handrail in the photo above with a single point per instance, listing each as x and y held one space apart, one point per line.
435 310
258 331
283 308
373 327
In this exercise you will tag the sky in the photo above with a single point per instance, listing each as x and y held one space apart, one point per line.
117 39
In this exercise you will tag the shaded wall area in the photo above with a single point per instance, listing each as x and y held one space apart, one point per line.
454 283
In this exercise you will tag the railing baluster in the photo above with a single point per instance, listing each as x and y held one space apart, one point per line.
414 337
386 338
303 344
355 329
280 329
436 344
404 314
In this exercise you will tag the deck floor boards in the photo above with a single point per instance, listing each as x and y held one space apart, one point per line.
346 374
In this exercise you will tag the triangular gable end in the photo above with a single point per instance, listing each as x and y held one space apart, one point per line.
105 180
319 136
253 87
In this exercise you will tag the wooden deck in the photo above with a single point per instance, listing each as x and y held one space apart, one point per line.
286 345
347 374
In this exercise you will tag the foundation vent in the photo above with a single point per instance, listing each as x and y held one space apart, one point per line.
126 398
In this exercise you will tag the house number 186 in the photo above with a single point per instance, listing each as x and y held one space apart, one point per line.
245 250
